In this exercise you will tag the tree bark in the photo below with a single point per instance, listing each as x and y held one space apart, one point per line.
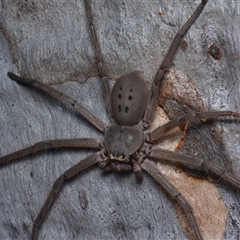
50 41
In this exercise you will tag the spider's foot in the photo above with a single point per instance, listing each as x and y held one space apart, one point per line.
20 80
14 76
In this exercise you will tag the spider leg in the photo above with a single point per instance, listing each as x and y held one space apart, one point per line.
163 154
149 115
189 117
98 123
100 65
175 194
71 172
52 144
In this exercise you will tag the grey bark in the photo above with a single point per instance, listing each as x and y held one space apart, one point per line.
50 41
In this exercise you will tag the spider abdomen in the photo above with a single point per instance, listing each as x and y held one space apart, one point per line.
129 99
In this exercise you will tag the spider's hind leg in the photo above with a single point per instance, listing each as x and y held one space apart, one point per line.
149 115
189 118
100 64
61 97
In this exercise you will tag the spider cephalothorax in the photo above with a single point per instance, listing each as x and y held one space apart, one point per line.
128 143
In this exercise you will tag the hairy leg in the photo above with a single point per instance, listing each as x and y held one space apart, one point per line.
175 194
70 173
52 144
97 122
187 118
100 65
149 115
163 154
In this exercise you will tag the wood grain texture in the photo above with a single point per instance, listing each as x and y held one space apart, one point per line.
50 41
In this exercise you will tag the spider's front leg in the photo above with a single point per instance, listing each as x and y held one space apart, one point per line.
51 144
70 173
163 154
175 194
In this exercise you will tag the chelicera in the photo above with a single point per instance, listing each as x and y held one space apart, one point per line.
128 143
